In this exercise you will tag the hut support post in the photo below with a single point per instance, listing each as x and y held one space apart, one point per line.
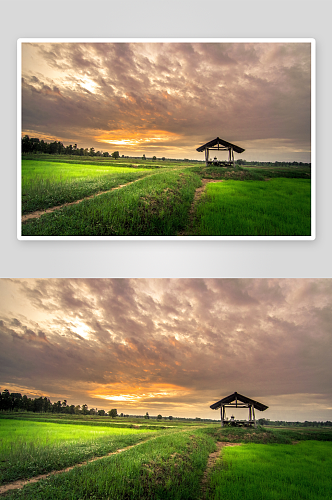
253 411
249 413
206 156
222 414
233 157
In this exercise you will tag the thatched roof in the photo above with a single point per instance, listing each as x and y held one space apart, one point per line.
217 141
239 397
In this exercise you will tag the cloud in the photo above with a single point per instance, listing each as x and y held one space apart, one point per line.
242 92
203 338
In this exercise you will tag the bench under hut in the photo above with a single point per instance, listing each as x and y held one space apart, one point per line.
220 145
236 400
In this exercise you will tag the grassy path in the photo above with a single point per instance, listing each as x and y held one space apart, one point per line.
22 482
211 463
39 213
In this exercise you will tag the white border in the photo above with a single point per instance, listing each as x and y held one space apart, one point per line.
312 41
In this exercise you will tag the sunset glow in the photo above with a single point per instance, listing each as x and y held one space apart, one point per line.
166 99
170 346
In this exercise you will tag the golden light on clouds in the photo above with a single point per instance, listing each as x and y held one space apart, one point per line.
122 392
135 139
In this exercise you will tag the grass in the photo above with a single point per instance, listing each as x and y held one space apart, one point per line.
159 203
167 467
31 448
279 207
252 173
171 464
273 472
156 205
267 435
47 184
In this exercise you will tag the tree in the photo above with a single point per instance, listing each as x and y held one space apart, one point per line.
113 413
159 417
92 152
143 157
154 158
115 155
146 415
170 417
84 409
106 154
163 158
101 413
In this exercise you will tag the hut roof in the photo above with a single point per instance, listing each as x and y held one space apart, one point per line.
239 397
217 141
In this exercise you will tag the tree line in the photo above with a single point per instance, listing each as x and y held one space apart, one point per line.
282 423
16 402
273 164
34 145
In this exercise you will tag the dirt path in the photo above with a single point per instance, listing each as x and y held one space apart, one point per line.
22 482
39 213
211 462
197 196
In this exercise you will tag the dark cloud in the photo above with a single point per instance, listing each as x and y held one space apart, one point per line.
100 92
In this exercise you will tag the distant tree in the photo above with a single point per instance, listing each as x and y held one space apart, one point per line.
146 415
163 158
113 413
115 155
101 413
77 409
159 417
85 409
71 409
106 154
170 417
121 414
92 152
154 157
143 157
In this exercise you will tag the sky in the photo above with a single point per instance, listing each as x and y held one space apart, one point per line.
170 346
167 99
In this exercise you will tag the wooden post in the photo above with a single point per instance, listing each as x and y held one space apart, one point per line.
222 412
249 413
233 157
206 156
253 410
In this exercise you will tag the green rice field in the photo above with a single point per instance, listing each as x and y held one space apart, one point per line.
158 199
165 463
267 472
279 207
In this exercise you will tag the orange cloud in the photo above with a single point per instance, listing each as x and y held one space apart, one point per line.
132 139
133 394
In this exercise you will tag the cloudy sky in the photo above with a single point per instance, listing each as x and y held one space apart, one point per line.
167 99
170 346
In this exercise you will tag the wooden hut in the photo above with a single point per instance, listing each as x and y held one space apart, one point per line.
236 400
220 145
